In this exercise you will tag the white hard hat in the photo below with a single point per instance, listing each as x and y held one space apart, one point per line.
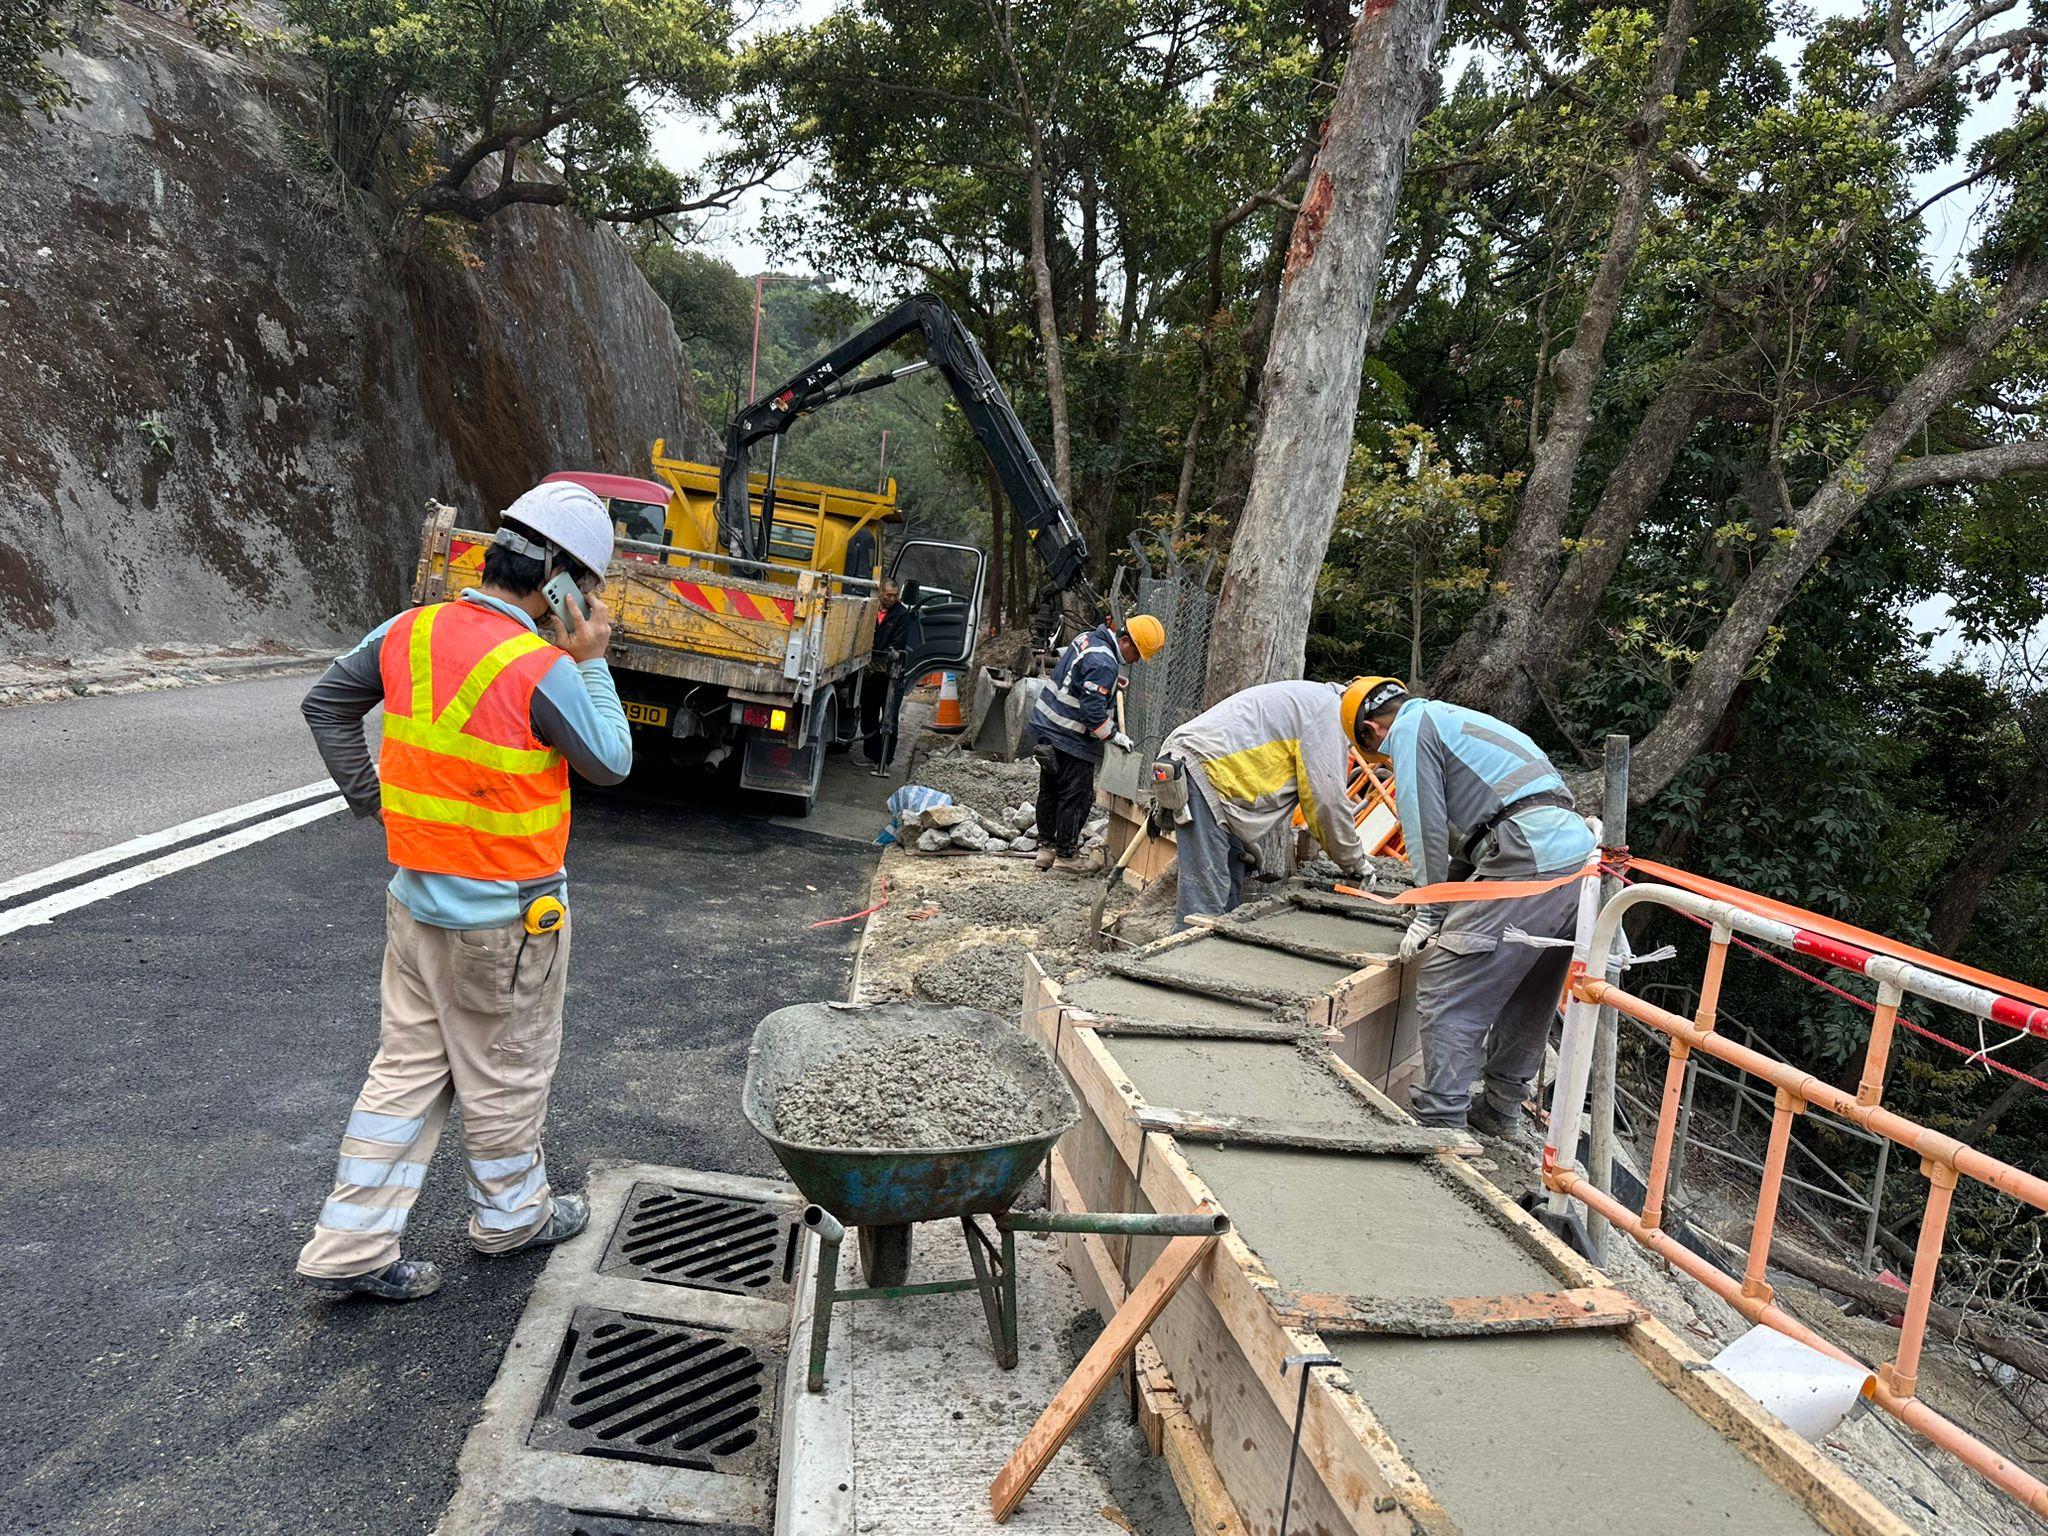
570 517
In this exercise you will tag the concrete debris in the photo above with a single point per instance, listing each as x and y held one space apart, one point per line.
971 835
944 816
987 976
1023 844
984 784
914 1090
933 841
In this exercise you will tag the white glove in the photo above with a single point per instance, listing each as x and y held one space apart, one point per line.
1122 742
1417 938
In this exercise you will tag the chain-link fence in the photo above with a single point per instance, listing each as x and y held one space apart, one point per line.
1167 691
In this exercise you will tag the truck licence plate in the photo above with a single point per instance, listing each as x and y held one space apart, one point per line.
645 714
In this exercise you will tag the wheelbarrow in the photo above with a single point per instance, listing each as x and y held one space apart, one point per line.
883 1191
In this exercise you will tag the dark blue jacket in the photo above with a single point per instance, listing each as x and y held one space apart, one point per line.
1073 712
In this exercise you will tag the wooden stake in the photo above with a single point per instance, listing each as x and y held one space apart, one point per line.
1097 1368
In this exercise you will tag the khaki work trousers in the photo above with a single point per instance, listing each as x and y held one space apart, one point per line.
468 1018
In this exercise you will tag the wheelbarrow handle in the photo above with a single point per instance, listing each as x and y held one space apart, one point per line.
1117 1223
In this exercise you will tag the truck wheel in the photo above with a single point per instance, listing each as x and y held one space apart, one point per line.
828 721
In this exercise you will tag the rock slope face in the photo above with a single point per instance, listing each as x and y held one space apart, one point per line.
222 406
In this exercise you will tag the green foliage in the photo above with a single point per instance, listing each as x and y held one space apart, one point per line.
568 84
31 31
1407 560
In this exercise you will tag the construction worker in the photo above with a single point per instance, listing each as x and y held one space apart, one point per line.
1071 722
483 719
1478 801
1242 768
881 693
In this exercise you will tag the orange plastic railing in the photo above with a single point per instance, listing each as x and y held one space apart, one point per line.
1944 1161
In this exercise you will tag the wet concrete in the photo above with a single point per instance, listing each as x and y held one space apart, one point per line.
1240 1077
1247 965
1362 1226
1303 926
1124 998
1560 1432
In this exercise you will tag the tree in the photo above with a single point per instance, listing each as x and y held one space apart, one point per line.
1313 363
541 102
30 31
1781 249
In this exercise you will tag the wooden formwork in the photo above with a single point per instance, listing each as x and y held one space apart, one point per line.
1223 1340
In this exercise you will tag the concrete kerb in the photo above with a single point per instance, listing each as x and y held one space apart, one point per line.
497 1469
814 1493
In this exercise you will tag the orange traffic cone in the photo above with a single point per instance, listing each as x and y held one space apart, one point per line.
949 717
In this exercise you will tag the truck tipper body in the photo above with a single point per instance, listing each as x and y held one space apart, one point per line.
716 654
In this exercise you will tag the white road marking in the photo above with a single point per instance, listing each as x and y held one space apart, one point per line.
85 863
51 907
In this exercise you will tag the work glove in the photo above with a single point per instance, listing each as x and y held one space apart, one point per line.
1417 938
1122 742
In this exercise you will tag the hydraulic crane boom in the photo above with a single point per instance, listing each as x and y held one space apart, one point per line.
950 348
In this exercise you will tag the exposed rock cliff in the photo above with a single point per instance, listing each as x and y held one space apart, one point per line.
221 407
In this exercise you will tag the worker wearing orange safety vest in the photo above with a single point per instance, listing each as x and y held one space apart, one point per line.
483 720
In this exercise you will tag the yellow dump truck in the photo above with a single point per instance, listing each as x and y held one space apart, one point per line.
715 653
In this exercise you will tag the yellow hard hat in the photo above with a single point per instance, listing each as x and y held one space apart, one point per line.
1364 698
1147 634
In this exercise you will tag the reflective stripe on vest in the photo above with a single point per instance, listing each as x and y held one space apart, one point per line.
467 787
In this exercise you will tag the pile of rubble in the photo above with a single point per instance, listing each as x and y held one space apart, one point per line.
1012 829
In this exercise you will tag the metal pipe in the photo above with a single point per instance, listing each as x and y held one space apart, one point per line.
1117 1223
1606 1029
829 1233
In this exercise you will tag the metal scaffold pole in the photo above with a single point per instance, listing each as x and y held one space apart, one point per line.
1606 1038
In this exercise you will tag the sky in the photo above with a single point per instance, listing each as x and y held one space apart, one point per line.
685 142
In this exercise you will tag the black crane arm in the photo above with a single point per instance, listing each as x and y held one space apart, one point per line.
950 348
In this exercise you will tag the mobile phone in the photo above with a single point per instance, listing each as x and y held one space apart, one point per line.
566 599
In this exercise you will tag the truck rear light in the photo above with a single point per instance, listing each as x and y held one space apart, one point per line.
764 717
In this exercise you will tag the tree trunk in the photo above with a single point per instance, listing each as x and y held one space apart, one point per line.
1311 381
1415 614
1624 501
1684 729
2002 833
1484 667
1048 322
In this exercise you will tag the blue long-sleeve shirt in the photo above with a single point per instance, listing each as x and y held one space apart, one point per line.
1454 769
575 710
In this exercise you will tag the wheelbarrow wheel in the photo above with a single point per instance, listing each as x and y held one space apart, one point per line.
885 1254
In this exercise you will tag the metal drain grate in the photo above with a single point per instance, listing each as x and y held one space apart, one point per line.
713 1242
645 1389
553 1520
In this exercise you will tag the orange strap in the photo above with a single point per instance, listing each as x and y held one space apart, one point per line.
1813 922
1468 890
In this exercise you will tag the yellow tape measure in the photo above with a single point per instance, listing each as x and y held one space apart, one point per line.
545 914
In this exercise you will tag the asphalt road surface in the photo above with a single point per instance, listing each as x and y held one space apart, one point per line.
174 1072
87 773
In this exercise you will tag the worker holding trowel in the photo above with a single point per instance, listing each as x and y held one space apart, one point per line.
483 719
1233 777
1072 722
1478 801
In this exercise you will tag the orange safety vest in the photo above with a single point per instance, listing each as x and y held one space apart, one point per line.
468 789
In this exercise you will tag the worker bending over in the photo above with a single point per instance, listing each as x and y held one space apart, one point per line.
483 719
1480 801
1071 723
1243 767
